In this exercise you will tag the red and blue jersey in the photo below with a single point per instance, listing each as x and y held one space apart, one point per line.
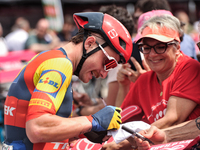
42 86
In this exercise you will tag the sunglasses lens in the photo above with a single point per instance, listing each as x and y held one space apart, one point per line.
110 64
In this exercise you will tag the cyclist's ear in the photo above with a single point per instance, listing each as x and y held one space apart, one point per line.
90 43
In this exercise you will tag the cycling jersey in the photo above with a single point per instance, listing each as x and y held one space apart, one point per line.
42 86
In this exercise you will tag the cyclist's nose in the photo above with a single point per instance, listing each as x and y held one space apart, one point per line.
103 74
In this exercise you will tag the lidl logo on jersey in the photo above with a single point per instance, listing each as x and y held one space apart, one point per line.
50 82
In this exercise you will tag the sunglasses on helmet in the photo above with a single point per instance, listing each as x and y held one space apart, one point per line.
110 62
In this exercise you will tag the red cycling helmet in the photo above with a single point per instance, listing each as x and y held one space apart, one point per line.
113 32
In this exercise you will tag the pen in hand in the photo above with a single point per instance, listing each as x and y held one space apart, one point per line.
136 134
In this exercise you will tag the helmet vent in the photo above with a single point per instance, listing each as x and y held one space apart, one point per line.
122 43
84 18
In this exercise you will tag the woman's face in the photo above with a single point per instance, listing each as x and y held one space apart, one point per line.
161 63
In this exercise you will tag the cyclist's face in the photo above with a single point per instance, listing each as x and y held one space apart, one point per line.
94 64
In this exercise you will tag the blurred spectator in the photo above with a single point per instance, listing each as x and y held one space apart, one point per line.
3 47
184 18
187 44
17 23
68 30
143 6
195 33
42 38
16 39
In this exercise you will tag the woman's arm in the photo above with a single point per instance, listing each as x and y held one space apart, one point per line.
178 109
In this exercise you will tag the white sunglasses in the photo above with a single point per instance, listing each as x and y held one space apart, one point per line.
110 62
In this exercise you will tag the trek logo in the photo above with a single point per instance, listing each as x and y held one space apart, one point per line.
50 82
112 33
59 144
8 110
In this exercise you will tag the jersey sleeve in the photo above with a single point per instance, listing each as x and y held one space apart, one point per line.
51 80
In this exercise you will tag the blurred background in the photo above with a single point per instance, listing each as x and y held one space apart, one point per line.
33 10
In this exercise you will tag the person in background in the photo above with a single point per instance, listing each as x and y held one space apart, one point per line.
184 131
188 45
42 38
3 47
21 29
184 18
17 22
38 107
68 30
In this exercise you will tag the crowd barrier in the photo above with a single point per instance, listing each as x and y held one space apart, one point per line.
130 114
12 63
85 144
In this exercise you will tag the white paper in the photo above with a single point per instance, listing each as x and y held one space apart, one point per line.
120 134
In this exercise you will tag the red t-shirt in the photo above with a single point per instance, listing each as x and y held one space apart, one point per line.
152 97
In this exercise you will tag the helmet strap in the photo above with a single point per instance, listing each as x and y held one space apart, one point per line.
86 55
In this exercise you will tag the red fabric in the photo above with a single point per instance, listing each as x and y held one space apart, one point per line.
131 113
15 116
194 142
183 82
179 145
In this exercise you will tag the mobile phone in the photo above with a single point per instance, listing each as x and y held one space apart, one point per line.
198 56
136 55
198 44
136 134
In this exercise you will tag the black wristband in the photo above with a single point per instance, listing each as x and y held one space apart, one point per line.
78 110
